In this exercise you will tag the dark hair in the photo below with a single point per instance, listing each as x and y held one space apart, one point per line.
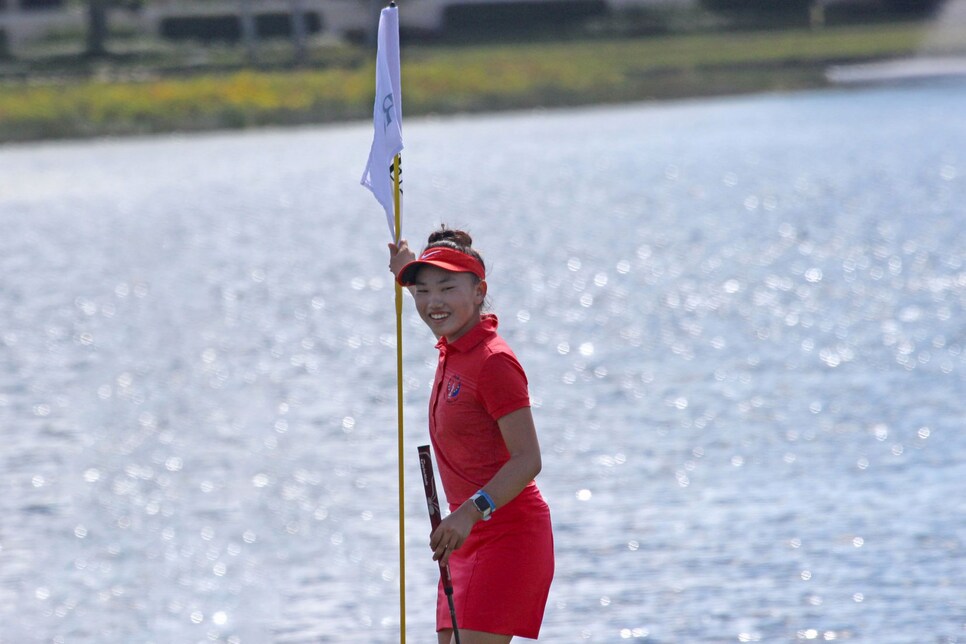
456 239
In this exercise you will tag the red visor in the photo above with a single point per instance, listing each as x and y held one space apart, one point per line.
442 257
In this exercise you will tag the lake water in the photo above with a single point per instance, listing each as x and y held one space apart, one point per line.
742 320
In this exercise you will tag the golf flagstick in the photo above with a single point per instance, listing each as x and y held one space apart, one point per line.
432 502
385 186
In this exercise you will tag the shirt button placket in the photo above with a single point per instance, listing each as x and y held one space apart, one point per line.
441 370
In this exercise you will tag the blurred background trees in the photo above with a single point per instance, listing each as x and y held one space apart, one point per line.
260 30
750 11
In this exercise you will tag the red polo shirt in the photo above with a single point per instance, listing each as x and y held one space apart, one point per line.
478 380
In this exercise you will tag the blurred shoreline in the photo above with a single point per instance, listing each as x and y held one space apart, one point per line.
130 94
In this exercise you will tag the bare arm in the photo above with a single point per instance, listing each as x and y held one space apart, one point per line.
520 436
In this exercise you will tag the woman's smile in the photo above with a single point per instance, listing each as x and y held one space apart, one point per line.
449 303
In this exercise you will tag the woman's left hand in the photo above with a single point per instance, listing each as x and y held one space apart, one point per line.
453 531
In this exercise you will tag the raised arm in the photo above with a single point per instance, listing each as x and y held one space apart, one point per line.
399 256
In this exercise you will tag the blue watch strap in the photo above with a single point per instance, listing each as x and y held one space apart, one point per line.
489 499
484 503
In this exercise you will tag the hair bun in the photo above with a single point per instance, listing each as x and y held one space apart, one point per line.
459 237
456 239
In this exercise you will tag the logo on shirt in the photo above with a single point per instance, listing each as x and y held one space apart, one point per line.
453 386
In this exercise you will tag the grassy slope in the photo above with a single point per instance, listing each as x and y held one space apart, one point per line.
447 79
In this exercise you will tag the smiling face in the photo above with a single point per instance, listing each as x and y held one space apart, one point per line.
449 303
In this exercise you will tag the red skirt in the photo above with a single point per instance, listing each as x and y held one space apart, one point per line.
502 572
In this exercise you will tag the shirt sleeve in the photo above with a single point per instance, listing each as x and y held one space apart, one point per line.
503 385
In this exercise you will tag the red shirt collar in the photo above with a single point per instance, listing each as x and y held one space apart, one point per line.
486 327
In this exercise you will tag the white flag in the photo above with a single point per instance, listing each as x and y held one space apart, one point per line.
386 116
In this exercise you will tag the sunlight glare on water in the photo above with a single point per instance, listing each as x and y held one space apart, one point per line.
744 342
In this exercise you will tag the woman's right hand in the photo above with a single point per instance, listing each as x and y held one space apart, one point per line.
399 256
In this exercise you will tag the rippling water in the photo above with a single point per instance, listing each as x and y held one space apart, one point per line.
743 322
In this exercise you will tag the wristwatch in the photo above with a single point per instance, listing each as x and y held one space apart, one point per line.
484 503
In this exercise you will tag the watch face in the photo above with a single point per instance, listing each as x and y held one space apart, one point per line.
481 504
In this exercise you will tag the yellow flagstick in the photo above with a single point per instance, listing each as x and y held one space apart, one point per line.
399 411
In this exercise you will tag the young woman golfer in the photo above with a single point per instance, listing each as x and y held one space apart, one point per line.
497 539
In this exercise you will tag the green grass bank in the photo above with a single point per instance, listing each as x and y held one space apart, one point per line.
135 97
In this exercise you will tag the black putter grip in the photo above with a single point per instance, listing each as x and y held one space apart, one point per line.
429 485
432 503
